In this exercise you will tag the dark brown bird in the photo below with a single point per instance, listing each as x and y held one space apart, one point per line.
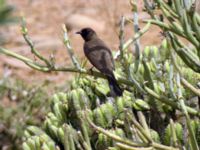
100 57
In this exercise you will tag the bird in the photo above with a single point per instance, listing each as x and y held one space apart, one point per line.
100 56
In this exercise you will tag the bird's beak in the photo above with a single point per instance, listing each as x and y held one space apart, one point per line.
79 32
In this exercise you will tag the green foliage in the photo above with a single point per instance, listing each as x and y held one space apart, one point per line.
67 121
21 105
158 85
178 131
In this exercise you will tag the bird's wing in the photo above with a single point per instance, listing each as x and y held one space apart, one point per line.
99 55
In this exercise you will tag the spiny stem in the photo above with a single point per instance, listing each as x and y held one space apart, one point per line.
137 35
121 37
136 50
70 49
24 31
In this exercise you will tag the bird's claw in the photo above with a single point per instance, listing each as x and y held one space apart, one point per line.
91 70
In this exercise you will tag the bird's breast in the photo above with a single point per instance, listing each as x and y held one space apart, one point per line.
99 56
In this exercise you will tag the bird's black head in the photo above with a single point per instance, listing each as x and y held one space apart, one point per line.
87 33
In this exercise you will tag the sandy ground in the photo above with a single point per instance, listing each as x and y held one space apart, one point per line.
44 20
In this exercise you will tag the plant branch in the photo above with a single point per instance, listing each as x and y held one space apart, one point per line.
43 68
121 38
69 48
136 30
137 35
24 31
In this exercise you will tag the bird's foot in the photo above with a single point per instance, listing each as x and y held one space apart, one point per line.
91 70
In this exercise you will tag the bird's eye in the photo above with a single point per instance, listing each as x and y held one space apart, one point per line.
85 32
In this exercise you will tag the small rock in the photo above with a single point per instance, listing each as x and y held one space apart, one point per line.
78 21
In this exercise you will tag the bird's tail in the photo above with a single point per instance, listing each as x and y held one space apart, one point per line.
115 89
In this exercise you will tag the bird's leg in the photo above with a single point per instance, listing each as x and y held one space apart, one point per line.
91 70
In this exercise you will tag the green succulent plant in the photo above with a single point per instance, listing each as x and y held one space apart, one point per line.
158 83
